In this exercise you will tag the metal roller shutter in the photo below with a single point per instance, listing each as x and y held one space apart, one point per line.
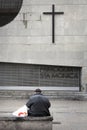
39 75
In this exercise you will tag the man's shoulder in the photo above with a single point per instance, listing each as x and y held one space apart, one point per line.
38 96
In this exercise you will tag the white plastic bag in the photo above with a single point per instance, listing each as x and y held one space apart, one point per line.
21 112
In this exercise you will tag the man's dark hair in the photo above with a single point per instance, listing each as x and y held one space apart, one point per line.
38 90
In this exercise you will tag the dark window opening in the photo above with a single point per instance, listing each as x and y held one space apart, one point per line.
9 10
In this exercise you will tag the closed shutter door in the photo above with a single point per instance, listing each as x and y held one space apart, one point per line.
39 75
60 76
18 75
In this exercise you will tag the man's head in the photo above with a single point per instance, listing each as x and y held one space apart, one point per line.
38 90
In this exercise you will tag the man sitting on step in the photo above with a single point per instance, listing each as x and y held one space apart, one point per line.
38 105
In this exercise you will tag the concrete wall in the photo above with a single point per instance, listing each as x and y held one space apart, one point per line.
27 39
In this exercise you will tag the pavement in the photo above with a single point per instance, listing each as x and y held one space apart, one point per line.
67 114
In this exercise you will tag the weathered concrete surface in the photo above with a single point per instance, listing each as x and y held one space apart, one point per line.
51 94
67 114
28 38
26 123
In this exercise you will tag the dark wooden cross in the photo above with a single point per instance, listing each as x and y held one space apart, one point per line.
53 13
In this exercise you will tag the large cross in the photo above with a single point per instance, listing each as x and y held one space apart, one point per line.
53 13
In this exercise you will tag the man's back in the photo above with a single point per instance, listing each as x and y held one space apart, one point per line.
38 105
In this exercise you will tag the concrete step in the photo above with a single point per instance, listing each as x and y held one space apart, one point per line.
54 94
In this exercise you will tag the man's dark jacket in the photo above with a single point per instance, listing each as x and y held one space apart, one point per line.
38 105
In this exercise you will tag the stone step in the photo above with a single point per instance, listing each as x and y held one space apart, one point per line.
25 94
